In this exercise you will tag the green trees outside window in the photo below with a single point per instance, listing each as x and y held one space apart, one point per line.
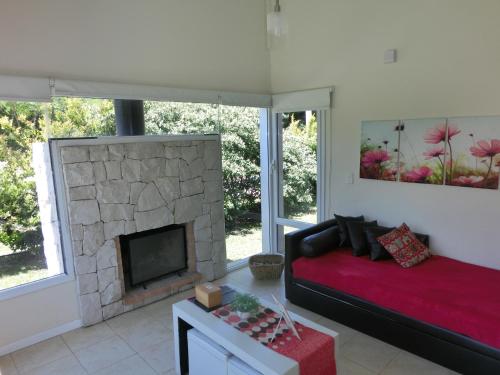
22 124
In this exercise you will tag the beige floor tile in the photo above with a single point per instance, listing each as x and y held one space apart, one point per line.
241 277
40 354
370 353
104 354
409 364
65 366
181 296
160 356
261 286
122 322
131 366
161 311
266 292
348 367
280 294
345 333
7 366
143 334
84 337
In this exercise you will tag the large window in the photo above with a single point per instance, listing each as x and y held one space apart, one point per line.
25 216
240 135
27 253
30 243
298 166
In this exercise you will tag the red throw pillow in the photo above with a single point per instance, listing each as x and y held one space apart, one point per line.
404 247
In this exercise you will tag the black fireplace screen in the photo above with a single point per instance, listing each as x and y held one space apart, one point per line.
153 253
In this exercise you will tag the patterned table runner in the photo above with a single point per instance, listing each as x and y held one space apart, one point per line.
315 353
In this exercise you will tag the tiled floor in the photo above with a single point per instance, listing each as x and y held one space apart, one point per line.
140 343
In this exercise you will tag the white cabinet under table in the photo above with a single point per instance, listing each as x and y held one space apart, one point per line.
187 315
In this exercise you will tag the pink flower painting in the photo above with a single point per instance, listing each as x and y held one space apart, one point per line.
469 181
375 158
438 133
379 150
419 174
422 150
461 151
472 154
434 152
485 149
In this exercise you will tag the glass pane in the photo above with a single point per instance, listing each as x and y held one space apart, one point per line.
26 257
181 118
239 129
298 173
80 117
26 197
240 132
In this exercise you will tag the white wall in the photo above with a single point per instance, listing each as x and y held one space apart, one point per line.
449 59
34 314
202 44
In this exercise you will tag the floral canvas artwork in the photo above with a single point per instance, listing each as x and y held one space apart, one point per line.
379 150
461 151
473 152
422 151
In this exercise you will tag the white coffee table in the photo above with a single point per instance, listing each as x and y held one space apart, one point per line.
187 315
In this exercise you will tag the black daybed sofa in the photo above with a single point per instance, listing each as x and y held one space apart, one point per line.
442 346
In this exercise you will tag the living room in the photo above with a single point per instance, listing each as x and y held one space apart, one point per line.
347 64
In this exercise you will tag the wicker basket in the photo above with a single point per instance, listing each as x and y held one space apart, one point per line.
267 266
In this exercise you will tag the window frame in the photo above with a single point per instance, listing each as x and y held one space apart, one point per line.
318 100
67 275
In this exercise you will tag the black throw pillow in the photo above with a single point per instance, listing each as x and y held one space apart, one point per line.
345 241
358 236
424 238
319 243
377 251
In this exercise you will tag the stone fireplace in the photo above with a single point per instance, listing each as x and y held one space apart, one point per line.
117 186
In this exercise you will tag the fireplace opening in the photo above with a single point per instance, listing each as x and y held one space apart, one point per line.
153 254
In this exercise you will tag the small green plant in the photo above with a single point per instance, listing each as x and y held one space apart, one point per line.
245 303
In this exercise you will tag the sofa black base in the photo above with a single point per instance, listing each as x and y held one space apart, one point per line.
447 348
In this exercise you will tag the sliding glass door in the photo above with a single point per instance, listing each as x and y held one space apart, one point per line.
298 171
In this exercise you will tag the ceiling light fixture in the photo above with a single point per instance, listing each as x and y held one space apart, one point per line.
276 22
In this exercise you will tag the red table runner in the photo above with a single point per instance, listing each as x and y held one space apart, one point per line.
315 353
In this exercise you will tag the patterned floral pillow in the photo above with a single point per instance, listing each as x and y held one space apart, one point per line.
404 247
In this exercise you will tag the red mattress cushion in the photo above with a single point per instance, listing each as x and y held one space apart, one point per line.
458 296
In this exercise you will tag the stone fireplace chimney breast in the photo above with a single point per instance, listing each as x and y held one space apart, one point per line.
123 185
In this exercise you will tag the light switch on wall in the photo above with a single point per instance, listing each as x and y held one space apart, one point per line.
350 179
390 56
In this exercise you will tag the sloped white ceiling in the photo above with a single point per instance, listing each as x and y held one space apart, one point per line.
202 44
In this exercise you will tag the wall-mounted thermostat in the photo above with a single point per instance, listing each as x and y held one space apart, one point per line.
390 56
